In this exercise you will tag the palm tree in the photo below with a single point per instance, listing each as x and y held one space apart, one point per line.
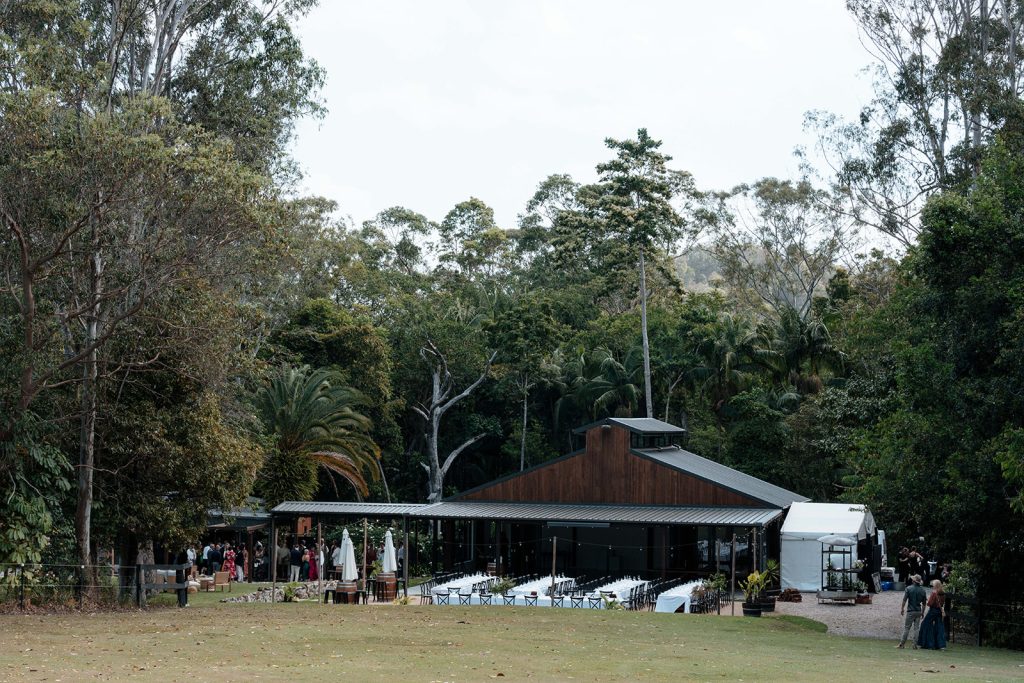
312 420
615 389
730 355
804 351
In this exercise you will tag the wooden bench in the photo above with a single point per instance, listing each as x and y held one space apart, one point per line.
220 580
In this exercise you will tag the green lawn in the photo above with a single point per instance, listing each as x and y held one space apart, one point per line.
306 641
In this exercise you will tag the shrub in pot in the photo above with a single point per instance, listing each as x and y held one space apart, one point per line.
752 588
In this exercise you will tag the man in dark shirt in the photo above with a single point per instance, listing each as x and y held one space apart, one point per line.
296 563
913 605
215 558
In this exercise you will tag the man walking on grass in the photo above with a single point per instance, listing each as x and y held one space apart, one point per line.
912 605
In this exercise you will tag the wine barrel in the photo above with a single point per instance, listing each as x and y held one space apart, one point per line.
387 586
348 589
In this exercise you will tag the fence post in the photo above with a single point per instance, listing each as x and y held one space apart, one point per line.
81 580
981 618
138 586
21 598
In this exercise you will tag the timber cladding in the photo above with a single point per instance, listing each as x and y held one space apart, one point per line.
607 472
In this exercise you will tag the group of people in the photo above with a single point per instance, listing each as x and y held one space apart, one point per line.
221 557
931 631
910 562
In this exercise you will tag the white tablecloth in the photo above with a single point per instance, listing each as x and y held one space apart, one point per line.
464 584
620 588
540 586
674 598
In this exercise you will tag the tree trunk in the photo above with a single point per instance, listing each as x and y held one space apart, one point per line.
648 401
522 442
87 424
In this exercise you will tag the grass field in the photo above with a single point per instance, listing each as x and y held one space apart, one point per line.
306 641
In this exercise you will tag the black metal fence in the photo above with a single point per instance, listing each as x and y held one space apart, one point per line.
59 585
996 622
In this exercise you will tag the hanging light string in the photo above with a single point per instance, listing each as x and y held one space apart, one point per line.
567 542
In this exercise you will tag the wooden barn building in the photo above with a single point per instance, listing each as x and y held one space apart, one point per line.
628 501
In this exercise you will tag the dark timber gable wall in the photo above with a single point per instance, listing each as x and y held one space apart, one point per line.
607 472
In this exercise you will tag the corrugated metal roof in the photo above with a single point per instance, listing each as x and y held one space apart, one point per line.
717 473
300 507
632 514
641 425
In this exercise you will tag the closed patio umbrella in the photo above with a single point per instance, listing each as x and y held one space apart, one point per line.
390 564
349 571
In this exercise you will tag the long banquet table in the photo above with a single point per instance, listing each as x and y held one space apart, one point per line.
674 598
539 586
463 583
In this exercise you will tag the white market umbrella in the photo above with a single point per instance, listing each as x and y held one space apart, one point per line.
349 572
389 564
833 539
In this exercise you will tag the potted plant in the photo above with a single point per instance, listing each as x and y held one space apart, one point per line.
752 587
863 597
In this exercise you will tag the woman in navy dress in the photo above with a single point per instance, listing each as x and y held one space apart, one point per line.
932 635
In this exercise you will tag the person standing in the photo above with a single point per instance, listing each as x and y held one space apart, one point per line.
295 566
242 558
335 557
400 558
181 577
903 566
229 561
912 607
206 558
313 572
215 558
932 635
190 556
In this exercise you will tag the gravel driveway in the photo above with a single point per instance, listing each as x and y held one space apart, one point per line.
880 619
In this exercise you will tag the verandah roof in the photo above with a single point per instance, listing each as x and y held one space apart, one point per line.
539 512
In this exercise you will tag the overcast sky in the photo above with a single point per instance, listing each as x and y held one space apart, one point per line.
431 103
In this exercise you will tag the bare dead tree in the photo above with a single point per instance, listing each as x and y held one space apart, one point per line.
443 399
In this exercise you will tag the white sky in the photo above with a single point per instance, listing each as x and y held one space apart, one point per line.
434 102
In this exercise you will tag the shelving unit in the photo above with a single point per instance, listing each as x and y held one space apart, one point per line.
837 582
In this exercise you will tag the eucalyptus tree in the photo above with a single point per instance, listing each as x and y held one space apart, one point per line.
946 73
443 397
779 245
627 216
120 180
524 336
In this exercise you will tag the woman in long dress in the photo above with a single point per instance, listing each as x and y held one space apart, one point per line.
314 568
932 635
229 563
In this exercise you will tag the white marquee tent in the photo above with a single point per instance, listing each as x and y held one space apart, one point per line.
800 562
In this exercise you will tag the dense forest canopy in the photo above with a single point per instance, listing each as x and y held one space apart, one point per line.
179 329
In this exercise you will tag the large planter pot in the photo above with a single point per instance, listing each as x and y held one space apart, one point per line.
751 610
863 599
767 604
